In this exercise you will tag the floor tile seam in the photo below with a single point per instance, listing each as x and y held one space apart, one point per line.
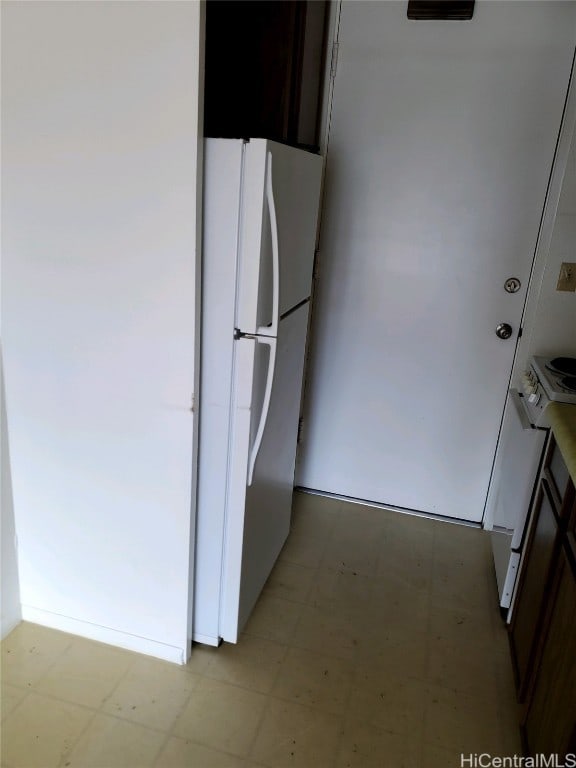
308 707
289 642
121 679
70 641
198 744
477 699
23 688
160 750
59 699
257 730
155 729
51 664
170 732
132 721
237 685
292 700
250 754
452 605
250 689
461 606
340 657
466 577
347 705
20 687
277 597
378 728
66 756
277 675
371 688
22 700
490 676
480 648
269 593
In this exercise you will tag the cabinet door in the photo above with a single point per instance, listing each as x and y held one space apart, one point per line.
551 718
556 473
534 585
569 514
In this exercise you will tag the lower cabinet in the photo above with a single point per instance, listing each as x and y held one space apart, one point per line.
543 629
534 585
549 725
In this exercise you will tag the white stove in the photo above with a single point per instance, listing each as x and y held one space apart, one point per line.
548 379
524 438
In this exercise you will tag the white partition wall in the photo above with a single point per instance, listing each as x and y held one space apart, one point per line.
100 120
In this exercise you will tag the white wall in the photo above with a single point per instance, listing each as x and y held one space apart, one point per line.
100 124
11 613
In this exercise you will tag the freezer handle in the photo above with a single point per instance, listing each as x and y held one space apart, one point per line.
271 342
273 329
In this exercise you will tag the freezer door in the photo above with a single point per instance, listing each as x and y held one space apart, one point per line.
280 201
258 508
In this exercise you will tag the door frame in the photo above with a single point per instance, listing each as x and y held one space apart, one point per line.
522 351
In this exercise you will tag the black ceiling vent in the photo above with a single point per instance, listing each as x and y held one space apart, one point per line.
441 10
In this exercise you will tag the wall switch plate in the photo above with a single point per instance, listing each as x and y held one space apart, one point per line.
567 277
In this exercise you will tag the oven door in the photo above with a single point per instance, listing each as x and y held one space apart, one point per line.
519 464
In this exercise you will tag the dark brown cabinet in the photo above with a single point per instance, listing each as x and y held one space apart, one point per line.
549 725
540 550
543 629
264 69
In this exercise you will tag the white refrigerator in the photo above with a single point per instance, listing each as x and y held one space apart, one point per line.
261 204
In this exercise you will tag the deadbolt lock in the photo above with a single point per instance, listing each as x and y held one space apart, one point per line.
512 285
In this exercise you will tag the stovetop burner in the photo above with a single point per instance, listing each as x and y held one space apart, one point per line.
565 365
568 383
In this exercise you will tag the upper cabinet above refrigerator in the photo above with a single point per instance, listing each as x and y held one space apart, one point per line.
265 70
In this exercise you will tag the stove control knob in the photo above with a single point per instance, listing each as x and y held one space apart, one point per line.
503 330
528 384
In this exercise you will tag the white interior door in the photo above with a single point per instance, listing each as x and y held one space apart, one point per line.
258 513
441 144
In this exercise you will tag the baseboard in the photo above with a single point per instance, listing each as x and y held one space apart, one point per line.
9 625
104 634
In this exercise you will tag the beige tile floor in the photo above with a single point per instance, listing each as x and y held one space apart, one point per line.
377 642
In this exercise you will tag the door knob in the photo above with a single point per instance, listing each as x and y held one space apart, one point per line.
503 330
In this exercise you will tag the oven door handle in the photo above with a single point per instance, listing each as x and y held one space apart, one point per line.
520 409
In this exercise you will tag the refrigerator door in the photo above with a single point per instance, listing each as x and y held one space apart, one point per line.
258 513
280 201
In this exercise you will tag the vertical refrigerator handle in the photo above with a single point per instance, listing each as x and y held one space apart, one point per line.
271 342
265 330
